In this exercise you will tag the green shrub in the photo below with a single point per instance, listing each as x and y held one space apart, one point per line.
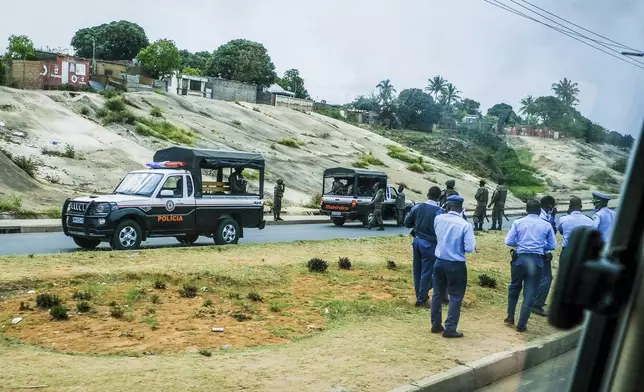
59 312
81 296
290 142
83 307
115 104
240 316
524 193
620 165
156 112
108 94
164 130
401 154
364 160
317 265
314 202
205 353
486 281
159 284
155 299
47 301
84 111
602 178
253 296
250 174
11 204
188 291
28 164
69 152
416 167
207 303
117 312
237 122
344 263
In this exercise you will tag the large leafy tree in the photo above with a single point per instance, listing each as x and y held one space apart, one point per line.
369 103
195 61
386 92
293 82
469 106
504 113
160 59
450 95
20 48
436 86
243 61
416 110
566 91
120 40
551 110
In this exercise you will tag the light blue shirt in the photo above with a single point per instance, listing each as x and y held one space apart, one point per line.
531 234
603 221
568 223
455 237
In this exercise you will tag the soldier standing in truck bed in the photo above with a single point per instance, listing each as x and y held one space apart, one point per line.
449 191
498 201
482 196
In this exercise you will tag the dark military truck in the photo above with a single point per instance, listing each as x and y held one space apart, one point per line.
172 199
347 194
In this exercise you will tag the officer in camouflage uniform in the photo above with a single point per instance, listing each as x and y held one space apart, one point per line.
278 194
498 200
401 205
449 191
482 196
376 202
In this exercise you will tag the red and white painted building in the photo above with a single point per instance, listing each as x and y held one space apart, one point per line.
65 70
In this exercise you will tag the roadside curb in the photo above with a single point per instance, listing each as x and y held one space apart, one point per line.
495 367
30 229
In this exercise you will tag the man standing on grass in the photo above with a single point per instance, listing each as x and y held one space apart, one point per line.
568 223
421 219
482 195
498 201
548 211
531 237
455 239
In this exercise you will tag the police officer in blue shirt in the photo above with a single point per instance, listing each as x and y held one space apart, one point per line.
531 237
574 219
604 217
548 211
421 219
455 238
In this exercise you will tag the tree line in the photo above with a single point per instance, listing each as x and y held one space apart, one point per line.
440 103
240 60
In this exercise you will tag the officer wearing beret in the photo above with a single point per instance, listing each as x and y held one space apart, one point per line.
455 238
604 217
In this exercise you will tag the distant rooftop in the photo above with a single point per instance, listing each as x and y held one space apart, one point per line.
276 89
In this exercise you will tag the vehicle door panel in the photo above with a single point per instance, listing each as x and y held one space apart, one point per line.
172 214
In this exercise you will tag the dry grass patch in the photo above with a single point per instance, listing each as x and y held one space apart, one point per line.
300 330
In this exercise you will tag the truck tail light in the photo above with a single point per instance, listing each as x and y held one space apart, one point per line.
354 203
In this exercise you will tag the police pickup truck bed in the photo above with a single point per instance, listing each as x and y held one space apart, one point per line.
170 200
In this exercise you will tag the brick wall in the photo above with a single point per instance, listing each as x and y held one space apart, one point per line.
26 74
229 90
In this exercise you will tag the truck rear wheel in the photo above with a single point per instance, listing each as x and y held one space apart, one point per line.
338 221
127 236
87 243
227 233
188 239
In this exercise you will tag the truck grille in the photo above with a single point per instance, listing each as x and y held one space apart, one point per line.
78 207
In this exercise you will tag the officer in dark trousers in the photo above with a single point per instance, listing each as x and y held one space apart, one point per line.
548 211
482 195
455 238
532 238
568 223
421 219
498 201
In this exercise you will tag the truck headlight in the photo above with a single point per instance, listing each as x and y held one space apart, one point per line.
102 208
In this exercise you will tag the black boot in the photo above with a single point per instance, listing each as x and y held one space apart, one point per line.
382 227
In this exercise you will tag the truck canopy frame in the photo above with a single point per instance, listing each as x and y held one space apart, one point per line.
198 159
347 172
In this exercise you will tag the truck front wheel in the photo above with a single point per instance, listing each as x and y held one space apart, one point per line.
87 243
127 236
227 233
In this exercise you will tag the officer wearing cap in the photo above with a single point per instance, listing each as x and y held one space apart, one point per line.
532 237
421 219
604 217
455 239
449 191
482 195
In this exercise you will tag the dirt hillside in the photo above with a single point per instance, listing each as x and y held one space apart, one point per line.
45 125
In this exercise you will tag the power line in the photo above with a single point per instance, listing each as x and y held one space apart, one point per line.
570 30
508 8
576 25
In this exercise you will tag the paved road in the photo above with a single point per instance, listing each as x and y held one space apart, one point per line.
43 243
550 376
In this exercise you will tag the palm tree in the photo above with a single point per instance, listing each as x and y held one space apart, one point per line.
387 90
566 91
450 94
529 108
436 86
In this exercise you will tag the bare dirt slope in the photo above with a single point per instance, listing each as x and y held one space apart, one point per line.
567 164
52 120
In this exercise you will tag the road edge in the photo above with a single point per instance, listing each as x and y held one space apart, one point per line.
488 370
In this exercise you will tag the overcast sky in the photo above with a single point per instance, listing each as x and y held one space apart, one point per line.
343 48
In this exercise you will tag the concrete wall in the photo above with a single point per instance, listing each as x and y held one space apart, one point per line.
103 68
229 90
302 105
26 74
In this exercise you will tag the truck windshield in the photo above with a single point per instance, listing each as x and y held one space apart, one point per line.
140 184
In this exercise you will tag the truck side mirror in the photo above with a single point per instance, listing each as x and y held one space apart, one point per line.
166 193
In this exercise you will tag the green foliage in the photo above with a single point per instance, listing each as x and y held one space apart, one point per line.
243 61
315 201
253 296
566 91
620 165
59 312
159 284
207 303
365 160
416 110
83 307
369 103
20 48
28 164
116 311
504 113
205 353
290 142
486 281
344 263
191 71
47 301
604 181
11 204
401 154
333 113
156 112
108 94
120 40
194 62
416 167
134 295
81 295
4 72
469 106
237 122
115 104
293 82
164 130
84 111
251 174
317 265
240 316
160 59
69 152
188 291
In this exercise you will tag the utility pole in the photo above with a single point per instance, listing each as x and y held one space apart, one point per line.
94 55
